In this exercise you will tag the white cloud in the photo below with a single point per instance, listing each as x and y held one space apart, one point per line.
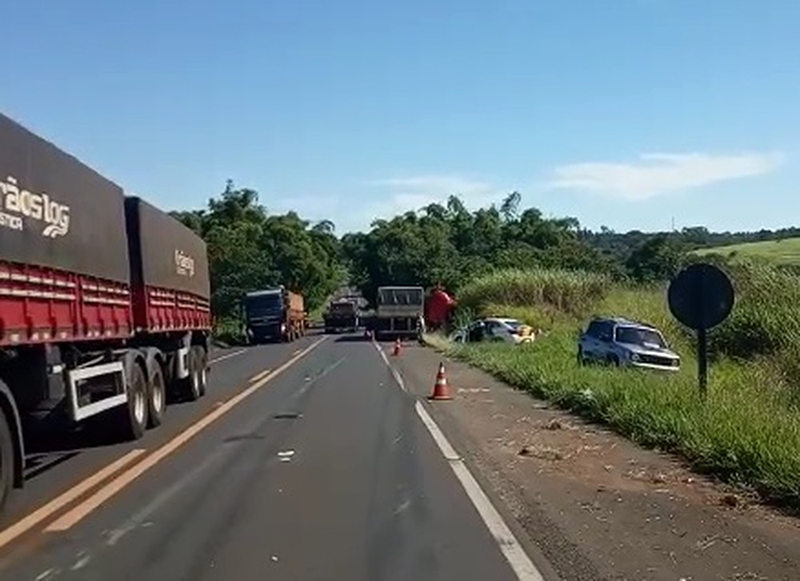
660 173
435 184
415 192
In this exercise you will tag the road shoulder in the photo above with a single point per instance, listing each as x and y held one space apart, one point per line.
595 504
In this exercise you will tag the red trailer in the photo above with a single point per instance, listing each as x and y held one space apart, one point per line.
104 301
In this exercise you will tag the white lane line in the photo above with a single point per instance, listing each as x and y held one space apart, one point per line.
226 356
402 507
325 372
396 374
83 560
519 561
447 450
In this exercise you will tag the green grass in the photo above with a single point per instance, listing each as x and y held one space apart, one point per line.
785 251
228 331
748 430
563 290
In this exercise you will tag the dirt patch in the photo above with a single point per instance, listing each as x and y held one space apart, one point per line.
618 510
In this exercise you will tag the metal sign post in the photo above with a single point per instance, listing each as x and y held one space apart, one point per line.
702 362
701 297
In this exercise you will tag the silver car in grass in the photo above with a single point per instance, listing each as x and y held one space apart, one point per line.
495 329
625 343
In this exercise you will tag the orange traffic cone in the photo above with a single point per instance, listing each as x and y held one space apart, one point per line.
441 391
396 350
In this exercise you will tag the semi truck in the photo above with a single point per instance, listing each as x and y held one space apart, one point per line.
275 314
104 302
341 315
398 310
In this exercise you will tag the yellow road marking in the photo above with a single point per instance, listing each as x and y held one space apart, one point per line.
41 513
79 512
258 376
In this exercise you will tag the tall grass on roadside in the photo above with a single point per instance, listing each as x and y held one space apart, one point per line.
568 291
748 431
740 433
766 318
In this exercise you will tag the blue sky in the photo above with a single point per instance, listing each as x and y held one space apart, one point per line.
625 113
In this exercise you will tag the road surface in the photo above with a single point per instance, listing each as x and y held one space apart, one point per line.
304 461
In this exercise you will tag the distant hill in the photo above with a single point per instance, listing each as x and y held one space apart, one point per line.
786 251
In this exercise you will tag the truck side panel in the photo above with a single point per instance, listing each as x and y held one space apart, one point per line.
64 270
169 271
39 305
56 212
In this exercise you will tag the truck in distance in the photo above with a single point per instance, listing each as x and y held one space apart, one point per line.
341 315
398 310
275 314
104 302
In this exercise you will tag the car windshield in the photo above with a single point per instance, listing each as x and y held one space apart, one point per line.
512 324
343 308
640 336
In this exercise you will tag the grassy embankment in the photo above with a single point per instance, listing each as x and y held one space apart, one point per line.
747 432
784 252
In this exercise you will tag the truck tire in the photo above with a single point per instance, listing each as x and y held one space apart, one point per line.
156 393
133 415
202 356
192 389
6 459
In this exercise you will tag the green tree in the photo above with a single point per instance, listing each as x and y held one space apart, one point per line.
656 259
250 250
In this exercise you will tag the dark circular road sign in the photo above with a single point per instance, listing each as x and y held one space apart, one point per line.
701 296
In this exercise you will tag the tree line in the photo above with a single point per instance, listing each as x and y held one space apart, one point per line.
251 249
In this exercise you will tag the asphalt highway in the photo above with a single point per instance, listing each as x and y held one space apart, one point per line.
304 461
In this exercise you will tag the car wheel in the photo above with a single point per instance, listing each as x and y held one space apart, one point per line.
613 360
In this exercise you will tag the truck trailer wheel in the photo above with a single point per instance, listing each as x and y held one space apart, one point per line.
202 355
6 459
197 381
156 393
133 415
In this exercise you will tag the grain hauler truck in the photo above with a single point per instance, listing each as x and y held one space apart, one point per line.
104 301
275 314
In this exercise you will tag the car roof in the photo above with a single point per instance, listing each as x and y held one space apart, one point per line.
624 321
502 319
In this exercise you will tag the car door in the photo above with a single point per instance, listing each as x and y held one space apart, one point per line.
605 342
476 333
493 331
